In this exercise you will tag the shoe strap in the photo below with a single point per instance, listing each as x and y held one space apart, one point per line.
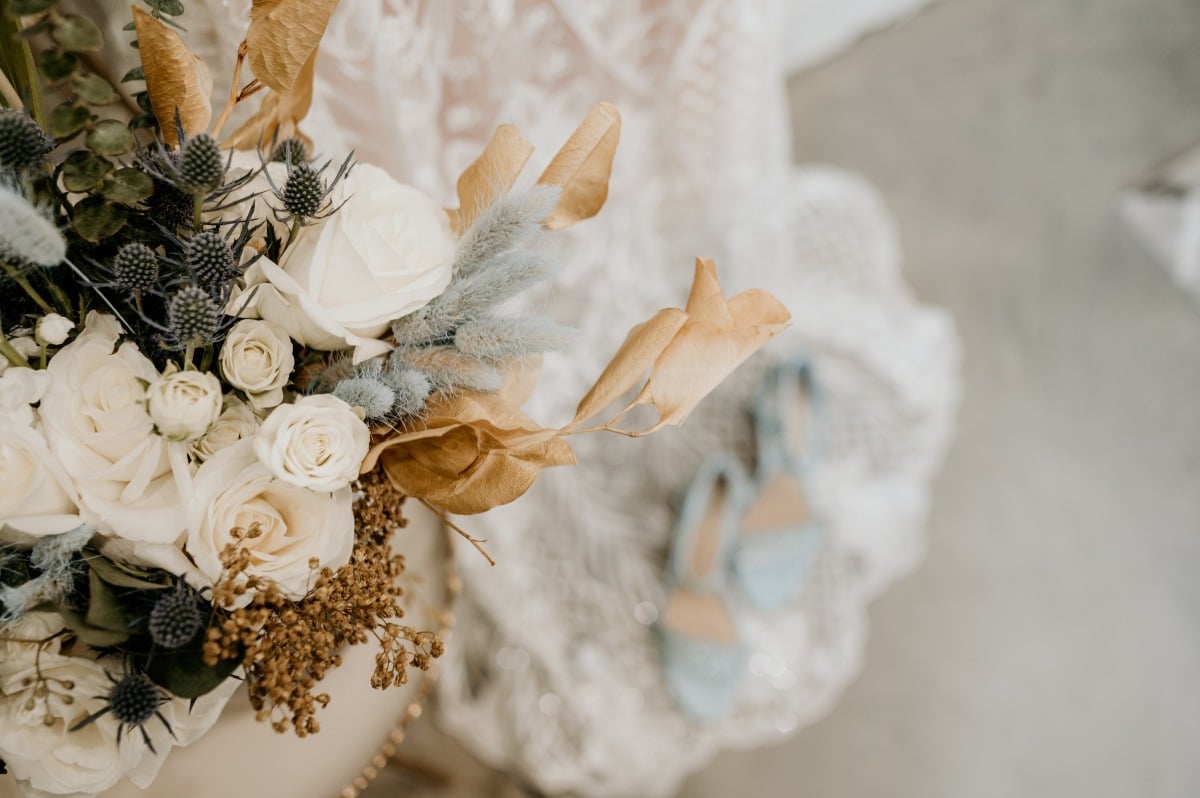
784 386
722 468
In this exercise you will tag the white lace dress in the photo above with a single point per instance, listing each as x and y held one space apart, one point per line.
554 669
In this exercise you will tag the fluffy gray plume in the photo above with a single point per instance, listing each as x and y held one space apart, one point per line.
411 389
373 395
498 340
506 224
26 236
447 369
473 295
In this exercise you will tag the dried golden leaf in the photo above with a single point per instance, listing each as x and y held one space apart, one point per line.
176 79
688 353
583 166
279 115
632 361
473 452
491 174
718 336
282 37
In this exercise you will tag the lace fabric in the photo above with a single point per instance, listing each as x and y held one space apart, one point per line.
554 668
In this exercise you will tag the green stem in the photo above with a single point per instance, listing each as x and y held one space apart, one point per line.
20 279
295 231
37 108
14 357
42 357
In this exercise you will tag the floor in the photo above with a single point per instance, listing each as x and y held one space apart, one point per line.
1050 646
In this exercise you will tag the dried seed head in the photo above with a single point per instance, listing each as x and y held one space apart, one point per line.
23 145
201 164
303 192
176 618
135 267
192 316
209 257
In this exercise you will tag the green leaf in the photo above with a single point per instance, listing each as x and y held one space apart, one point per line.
183 672
117 575
56 65
137 73
23 8
90 635
77 34
68 119
128 186
104 611
83 171
95 89
172 7
110 137
143 101
94 219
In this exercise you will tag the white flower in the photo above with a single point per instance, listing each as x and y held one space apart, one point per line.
384 254
184 404
131 482
44 756
237 421
53 329
319 443
257 358
25 346
292 525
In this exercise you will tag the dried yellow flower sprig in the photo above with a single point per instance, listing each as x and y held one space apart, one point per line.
287 647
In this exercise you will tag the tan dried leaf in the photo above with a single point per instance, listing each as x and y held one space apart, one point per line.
688 353
490 175
282 37
279 115
176 79
474 451
583 166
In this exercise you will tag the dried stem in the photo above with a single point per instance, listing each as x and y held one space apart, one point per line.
234 92
477 543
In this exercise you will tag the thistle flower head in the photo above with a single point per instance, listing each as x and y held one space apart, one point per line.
133 701
23 144
26 236
291 150
209 257
176 617
201 166
304 192
192 317
135 267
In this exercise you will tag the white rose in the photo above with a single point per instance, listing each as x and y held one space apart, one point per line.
233 490
237 421
131 482
256 358
184 404
25 346
384 254
319 442
53 329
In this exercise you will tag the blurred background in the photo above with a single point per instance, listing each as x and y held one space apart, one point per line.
1048 644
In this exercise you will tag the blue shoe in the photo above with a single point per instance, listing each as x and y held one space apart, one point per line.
780 538
702 653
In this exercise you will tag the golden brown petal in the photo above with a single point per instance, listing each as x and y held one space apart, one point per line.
176 80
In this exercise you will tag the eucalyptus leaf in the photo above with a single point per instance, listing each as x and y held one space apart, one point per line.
184 673
137 73
143 101
112 573
94 219
104 611
90 635
172 7
57 65
68 119
83 171
24 8
110 137
95 89
77 34
128 186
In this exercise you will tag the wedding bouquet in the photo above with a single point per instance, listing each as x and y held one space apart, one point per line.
224 364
